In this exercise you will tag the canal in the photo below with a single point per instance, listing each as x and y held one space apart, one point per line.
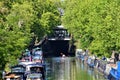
70 69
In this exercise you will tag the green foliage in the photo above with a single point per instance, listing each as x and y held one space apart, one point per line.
46 17
49 21
15 33
95 23
19 19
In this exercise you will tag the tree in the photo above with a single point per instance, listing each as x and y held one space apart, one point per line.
19 20
46 17
15 32
95 23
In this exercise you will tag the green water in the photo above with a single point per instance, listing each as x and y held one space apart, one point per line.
70 69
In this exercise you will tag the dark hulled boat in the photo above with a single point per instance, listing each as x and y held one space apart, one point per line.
58 42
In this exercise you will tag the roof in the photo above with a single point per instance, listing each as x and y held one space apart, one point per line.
60 28
17 66
26 63
36 64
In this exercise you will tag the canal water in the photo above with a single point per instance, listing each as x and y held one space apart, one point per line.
70 68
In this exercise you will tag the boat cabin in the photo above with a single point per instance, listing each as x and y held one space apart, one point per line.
19 70
59 33
34 76
59 41
34 69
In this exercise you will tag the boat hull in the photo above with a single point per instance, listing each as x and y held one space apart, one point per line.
54 48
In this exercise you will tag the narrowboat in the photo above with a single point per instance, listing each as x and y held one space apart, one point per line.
37 71
59 41
19 70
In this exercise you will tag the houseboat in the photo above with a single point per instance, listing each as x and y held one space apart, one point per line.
59 41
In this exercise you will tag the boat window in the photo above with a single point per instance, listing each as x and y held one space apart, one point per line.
34 76
36 69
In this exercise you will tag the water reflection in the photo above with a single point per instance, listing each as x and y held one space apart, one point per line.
70 69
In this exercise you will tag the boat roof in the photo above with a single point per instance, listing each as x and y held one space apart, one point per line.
26 63
18 66
14 73
61 27
79 50
36 65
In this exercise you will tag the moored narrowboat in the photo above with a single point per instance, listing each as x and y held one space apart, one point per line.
59 41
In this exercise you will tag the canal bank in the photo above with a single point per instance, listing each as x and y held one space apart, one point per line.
109 67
